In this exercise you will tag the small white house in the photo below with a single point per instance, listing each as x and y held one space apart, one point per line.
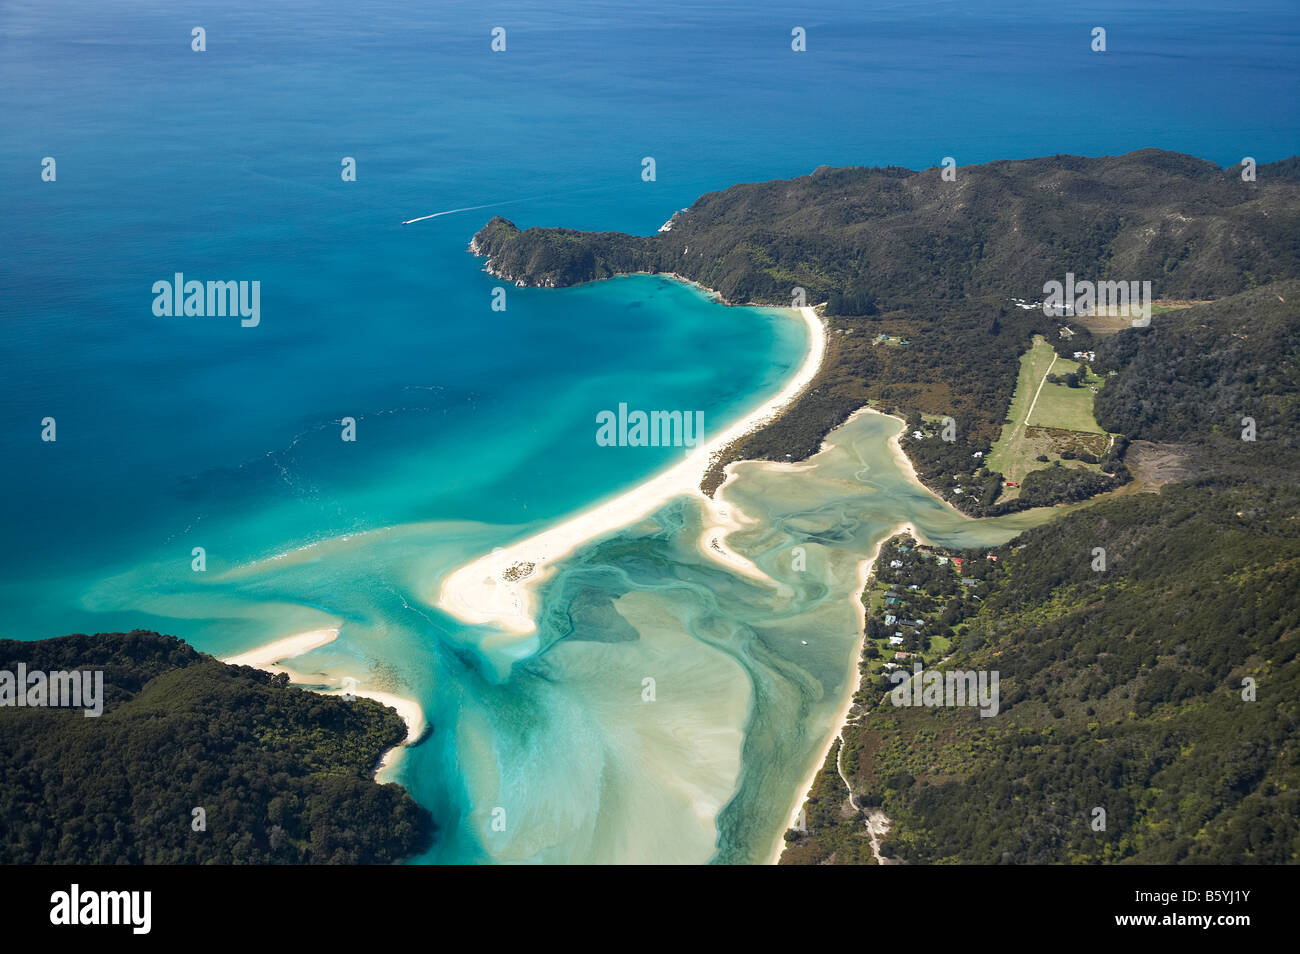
895 640
895 563
890 620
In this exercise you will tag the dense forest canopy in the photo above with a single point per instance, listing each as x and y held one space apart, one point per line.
1194 374
283 775
904 239
1120 689
1163 688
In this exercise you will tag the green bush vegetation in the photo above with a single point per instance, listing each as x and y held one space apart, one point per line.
284 775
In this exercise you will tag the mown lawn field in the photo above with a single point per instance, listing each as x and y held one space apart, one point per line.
1008 456
1060 405
1045 418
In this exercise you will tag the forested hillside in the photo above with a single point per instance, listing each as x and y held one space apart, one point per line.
1121 690
1194 374
283 775
885 239
1145 644
938 265
1159 684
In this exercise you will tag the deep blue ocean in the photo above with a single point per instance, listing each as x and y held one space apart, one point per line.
179 432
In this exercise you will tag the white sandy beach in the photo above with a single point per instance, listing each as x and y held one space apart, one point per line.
864 573
713 542
725 518
731 518
801 794
270 656
266 656
499 587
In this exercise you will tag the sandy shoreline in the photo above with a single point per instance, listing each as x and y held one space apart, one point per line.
801 794
499 588
266 656
864 573
269 657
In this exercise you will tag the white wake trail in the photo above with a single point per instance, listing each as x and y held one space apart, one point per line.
468 208
488 205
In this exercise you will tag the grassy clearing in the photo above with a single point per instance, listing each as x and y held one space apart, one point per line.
1109 324
1012 453
1067 408
1046 419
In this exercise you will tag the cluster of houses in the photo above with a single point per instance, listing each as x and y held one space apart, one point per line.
904 632
901 629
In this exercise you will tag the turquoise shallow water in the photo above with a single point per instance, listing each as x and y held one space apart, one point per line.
474 426
748 677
